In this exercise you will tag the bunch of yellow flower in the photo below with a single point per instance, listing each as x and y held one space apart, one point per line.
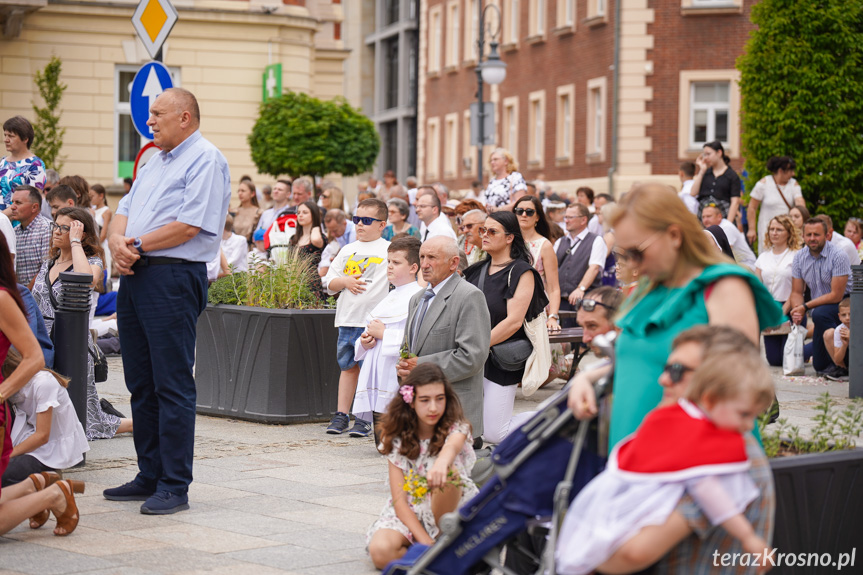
417 486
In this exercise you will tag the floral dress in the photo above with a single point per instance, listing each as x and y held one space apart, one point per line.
499 191
27 172
100 425
463 464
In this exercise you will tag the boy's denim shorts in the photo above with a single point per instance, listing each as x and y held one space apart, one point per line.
348 336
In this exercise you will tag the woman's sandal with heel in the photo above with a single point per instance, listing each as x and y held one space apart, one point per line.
68 521
50 479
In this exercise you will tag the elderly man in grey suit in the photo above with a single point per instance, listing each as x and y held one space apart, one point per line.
449 325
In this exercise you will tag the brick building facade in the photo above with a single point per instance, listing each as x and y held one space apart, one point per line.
676 87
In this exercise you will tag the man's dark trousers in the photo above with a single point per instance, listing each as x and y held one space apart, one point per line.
157 316
824 317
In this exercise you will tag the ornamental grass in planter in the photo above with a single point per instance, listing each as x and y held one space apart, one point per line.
266 348
819 487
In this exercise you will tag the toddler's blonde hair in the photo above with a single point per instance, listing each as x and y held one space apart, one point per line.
722 377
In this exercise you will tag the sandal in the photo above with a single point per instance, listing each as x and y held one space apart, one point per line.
69 519
50 479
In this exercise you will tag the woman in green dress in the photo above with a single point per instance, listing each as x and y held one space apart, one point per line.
686 281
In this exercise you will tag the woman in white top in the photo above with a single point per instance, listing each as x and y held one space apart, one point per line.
102 214
773 268
775 194
47 434
536 229
505 180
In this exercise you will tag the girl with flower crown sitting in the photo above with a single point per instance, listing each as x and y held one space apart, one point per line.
427 440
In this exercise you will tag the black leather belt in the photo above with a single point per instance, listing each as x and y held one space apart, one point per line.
160 261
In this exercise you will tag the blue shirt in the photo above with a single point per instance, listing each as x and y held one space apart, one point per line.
37 325
350 235
190 184
818 272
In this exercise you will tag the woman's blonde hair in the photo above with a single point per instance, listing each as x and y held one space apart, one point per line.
795 242
511 164
657 207
13 360
724 376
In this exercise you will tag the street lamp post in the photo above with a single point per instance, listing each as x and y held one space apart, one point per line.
492 71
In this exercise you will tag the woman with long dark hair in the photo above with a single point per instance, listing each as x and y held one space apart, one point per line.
309 241
513 292
537 235
716 182
248 212
43 493
75 247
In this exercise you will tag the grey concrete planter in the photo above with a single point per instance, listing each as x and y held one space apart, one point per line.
819 508
267 365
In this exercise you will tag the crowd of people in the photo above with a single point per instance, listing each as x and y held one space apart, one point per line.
444 305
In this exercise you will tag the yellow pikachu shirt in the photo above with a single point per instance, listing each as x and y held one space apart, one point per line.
370 260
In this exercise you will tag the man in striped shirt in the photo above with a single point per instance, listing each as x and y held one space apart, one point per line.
826 270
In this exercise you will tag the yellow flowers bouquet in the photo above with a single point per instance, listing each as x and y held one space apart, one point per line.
417 486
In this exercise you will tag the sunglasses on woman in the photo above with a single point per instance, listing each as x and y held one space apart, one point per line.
525 212
635 254
490 232
63 229
590 305
676 371
367 221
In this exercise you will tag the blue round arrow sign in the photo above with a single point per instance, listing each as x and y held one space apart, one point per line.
151 80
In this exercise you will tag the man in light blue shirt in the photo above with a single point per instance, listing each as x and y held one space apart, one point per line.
164 232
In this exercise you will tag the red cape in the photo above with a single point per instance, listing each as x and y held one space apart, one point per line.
678 442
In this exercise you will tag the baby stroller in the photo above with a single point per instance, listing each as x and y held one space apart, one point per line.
538 470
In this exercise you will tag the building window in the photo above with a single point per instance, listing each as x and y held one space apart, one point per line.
709 112
391 11
536 19
511 16
509 129
566 14
468 151
536 133
708 108
471 29
596 119
413 51
127 141
391 73
389 145
450 145
435 39
453 36
433 149
596 11
565 125
698 7
411 137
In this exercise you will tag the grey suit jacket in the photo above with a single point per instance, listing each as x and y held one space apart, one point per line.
455 335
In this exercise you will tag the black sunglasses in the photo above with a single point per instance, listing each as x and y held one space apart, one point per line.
676 371
525 212
590 305
367 221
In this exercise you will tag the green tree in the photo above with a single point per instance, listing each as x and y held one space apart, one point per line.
48 134
801 80
298 134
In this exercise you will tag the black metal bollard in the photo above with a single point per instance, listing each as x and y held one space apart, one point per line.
71 327
855 347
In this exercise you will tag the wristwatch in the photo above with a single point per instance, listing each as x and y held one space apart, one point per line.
137 244
582 288
806 307
555 316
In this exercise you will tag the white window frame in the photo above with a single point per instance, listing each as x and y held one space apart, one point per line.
511 15
435 49
711 108
468 151
597 104
453 33
471 29
566 11
565 128
433 148
450 161
509 125
124 108
537 18
536 129
686 148
707 7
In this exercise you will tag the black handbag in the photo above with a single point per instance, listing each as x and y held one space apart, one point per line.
508 355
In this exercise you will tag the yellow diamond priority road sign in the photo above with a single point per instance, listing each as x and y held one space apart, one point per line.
153 21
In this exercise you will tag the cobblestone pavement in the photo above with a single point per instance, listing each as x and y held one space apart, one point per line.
266 499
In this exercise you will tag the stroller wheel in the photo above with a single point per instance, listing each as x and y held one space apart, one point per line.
450 523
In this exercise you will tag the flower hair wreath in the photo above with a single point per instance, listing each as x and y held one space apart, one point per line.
407 393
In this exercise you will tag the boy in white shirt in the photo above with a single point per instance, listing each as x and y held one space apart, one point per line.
380 344
235 247
359 272
258 255
837 340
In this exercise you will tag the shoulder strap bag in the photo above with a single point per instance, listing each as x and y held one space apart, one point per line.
509 355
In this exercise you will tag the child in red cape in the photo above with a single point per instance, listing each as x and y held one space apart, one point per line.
696 446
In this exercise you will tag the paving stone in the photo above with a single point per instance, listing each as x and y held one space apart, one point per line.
328 539
293 557
200 538
33 559
351 567
87 541
254 525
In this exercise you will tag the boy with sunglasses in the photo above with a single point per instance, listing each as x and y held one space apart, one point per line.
359 273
